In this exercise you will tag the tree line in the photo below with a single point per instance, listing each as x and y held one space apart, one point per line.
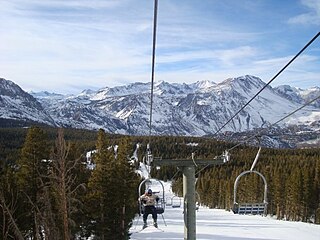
47 190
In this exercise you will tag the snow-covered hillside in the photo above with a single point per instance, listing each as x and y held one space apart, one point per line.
18 105
299 95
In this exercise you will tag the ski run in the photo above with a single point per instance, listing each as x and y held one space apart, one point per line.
220 224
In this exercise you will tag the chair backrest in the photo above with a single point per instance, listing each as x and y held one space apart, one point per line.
250 208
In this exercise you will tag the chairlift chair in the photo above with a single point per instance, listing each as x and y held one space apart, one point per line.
258 208
149 183
176 202
168 201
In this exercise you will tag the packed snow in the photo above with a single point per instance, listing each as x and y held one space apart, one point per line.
222 225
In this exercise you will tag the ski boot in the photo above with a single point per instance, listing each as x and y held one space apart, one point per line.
144 224
155 224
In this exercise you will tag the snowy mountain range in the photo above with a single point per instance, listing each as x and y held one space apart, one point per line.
195 109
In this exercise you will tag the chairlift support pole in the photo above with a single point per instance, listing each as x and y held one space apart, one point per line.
188 169
189 205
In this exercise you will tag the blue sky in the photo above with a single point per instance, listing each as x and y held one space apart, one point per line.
67 46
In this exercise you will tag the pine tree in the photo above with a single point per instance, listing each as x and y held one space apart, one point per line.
112 187
280 194
316 195
306 203
294 195
99 188
124 181
33 165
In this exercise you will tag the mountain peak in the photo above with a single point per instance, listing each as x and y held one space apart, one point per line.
203 85
245 83
246 79
87 92
9 88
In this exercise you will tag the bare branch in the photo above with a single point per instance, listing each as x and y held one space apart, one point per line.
11 219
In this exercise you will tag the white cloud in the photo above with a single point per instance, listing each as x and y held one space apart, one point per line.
231 57
225 56
311 17
303 72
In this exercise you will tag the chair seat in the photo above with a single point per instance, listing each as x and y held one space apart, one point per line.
250 208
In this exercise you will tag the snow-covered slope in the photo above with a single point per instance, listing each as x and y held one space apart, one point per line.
216 223
223 225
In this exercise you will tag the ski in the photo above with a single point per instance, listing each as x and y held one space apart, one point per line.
150 228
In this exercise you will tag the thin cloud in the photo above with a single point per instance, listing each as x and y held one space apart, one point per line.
310 17
231 57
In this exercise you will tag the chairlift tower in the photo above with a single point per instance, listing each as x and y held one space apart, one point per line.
187 166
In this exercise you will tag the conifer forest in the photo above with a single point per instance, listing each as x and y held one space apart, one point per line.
48 189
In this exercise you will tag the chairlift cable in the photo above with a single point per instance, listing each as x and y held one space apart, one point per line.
275 123
155 14
175 174
153 63
202 169
294 58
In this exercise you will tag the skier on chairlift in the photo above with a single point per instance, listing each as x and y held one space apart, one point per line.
149 201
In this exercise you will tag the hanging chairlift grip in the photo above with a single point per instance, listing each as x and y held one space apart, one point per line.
255 160
257 155
192 157
226 156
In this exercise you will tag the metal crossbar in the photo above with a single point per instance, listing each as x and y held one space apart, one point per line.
251 208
